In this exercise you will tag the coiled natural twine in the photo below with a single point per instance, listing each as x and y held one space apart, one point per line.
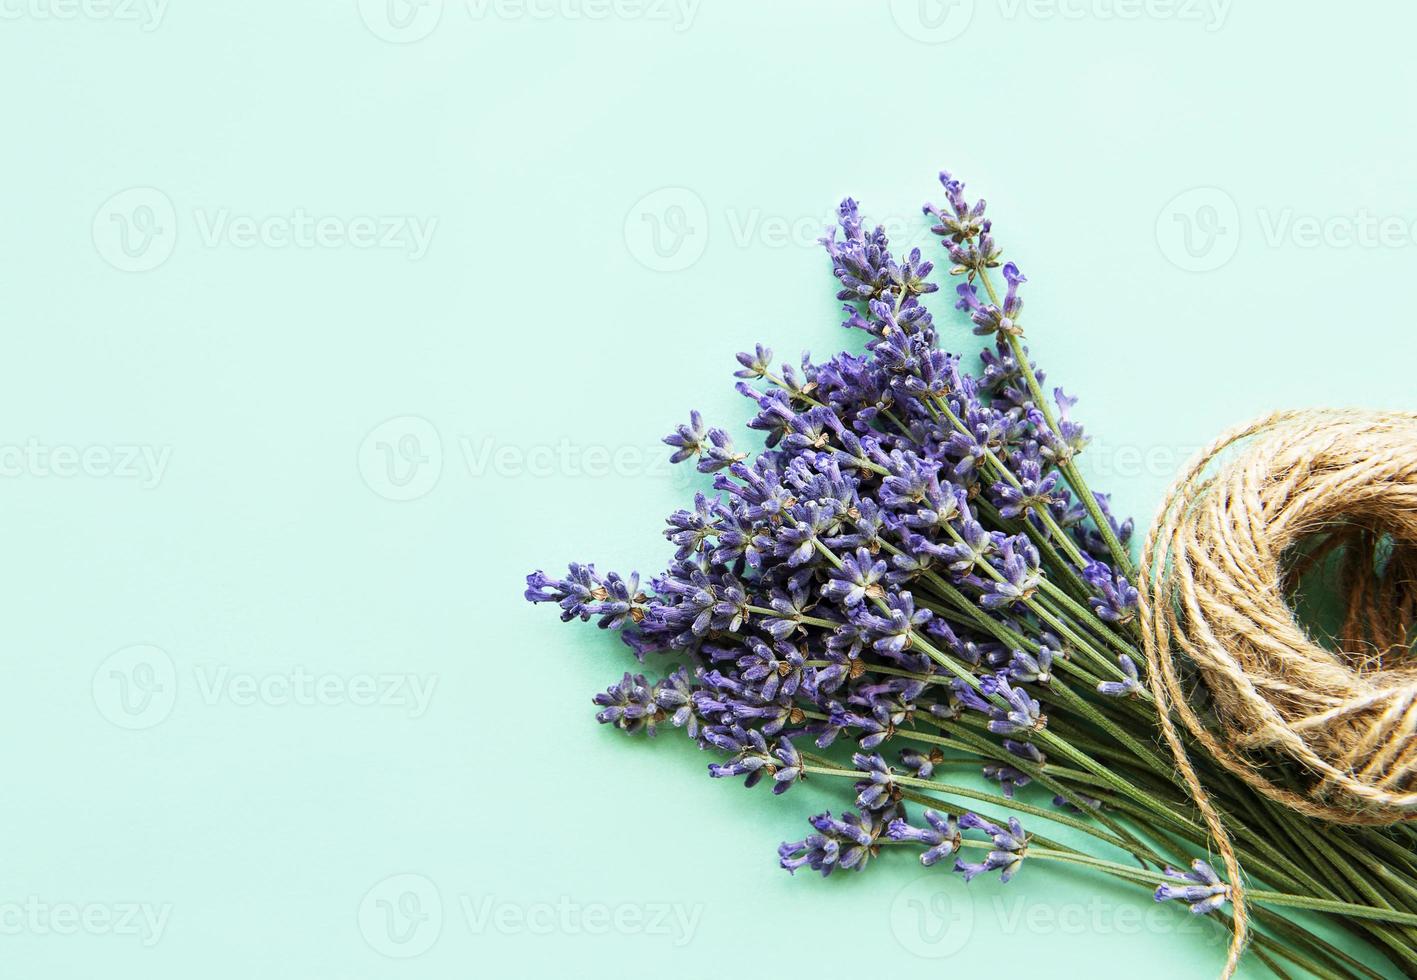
1325 728
1218 563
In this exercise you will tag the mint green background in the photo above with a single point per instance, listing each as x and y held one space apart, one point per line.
531 323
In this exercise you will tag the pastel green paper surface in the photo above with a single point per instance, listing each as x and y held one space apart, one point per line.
326 322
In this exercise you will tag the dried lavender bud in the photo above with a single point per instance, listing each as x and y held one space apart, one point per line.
1010 848
1203 890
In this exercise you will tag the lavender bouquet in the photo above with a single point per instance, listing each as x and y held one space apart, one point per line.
912 578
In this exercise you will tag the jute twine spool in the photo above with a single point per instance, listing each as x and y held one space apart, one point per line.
1325 728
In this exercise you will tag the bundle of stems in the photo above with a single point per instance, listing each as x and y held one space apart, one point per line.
914 563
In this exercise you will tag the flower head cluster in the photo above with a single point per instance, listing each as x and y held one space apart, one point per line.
1200 888
941 836
880 568
846 843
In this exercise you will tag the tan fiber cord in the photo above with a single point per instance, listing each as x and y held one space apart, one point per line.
1232 536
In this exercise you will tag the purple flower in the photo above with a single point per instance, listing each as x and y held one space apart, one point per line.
751 757
580 594
892 634
1010 848
878 790
1021 714
1026 751
1013 304
1018 569
1116 599
922 764
960 222
1201 888
718 452
975 546
694 530
1090 802
790 769
941 837
775 668
1010 779
1035 492
629 705
1030 668
1129 685
755 365
847 843
858 578
674 695
1070 439
687 440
